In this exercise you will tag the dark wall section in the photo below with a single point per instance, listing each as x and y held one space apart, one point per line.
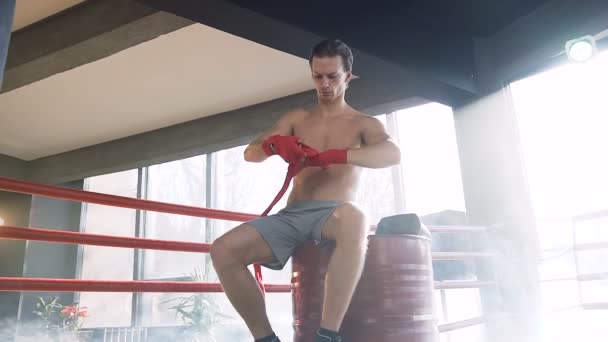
51 260
14 211
7 10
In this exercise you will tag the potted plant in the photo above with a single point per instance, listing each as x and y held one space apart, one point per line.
199 312
61 323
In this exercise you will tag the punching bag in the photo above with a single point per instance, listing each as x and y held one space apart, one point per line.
393 301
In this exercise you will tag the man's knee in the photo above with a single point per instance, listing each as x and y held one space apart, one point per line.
222 253
349 224
239 247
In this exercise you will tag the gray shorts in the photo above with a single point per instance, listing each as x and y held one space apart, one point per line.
293 225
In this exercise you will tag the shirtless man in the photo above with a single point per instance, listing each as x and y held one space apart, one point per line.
320 206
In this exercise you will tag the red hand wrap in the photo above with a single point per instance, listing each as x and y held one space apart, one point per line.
287 147
334 156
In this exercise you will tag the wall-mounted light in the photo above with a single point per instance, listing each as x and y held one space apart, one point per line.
584 48
1 221
581 49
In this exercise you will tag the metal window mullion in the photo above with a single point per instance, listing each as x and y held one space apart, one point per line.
138 254
82 229
210 199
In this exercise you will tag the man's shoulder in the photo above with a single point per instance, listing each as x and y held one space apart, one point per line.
364 118
296 113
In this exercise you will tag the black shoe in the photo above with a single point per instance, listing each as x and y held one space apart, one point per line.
271 338
324 335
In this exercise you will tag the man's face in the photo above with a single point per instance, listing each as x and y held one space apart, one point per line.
329 77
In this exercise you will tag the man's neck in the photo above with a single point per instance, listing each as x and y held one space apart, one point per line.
334 107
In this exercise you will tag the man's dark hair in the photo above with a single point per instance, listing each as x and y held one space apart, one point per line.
331 48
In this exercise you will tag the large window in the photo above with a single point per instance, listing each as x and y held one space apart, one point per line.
562 120
108 263
431 168
563 124
181 182
432 188
428 181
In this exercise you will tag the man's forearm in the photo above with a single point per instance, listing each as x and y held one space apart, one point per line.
255 153
375 156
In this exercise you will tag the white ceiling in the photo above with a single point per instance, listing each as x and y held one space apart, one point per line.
30 11
190 73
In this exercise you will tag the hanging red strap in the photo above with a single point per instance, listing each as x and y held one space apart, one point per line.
292 170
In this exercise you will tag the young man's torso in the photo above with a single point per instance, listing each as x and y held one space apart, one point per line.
323 132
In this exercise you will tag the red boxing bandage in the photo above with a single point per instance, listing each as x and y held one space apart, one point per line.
287 147
334 156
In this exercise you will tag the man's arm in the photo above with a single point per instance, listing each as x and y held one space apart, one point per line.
284 126
377 149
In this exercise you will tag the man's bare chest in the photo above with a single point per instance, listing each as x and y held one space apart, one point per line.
323 134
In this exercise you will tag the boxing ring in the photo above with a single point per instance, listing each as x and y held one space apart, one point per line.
75 285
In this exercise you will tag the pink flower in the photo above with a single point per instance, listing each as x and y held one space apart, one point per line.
72 311
69 311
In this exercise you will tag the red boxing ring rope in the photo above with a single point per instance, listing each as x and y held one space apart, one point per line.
47 235
76 285
65 193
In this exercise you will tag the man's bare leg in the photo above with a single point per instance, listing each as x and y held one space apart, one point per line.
231 254
348 228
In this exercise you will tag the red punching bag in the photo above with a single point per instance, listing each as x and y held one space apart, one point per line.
393 301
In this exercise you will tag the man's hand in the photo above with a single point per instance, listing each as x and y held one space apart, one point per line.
287 147
324 159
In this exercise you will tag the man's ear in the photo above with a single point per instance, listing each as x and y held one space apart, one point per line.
349 77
